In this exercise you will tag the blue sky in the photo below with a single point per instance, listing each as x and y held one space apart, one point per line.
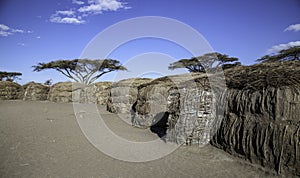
35 31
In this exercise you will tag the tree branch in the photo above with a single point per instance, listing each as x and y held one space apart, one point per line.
98 76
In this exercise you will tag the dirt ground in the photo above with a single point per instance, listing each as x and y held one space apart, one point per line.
43 139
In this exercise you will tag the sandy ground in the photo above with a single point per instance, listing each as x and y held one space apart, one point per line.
43 139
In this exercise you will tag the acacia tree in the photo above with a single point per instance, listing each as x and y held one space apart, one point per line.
82 70
290 54
9 76
206 63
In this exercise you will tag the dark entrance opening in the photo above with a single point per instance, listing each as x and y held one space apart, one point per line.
160 125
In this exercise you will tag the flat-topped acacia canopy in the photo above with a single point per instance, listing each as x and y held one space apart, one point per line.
206 63
9 76
82 70
290 54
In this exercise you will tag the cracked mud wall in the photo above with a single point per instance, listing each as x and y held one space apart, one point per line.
34 92
76 92
123 94
191 116
152 99
261 118
9 90
262 127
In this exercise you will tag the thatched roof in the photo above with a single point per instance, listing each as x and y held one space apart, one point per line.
131 82
263 75
4 84
256 77
174 80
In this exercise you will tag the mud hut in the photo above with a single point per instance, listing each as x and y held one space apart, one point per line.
9 90
62 92
152 100
76 92
35 91
96 93
123 94
261 118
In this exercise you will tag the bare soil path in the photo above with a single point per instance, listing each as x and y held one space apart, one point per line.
43 139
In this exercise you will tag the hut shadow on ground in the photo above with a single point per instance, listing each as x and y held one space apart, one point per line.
160 124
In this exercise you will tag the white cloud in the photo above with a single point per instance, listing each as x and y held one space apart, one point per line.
67 13
74 16
4 27
38 37
66 16
6 31
277 48
21 44
294 27
67 20
91 8
77 2
71 20
17 31
98 6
